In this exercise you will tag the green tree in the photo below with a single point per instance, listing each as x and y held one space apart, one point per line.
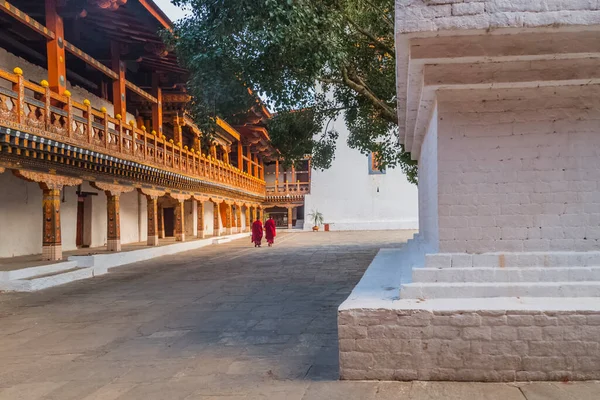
312 60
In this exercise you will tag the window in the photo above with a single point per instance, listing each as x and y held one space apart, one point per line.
373 165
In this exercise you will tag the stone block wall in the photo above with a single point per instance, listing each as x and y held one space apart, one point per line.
520 170
434 15
495 346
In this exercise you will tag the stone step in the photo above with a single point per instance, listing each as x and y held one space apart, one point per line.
520 260
509 274
25 273
422 291
49 280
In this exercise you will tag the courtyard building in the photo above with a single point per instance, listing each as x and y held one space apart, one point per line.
499 103
97 149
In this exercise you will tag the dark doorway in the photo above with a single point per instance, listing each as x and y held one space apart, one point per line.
169 221
80 221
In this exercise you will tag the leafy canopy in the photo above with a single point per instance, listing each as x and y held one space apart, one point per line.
312 60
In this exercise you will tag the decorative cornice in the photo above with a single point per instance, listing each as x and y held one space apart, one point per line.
180 196
50 181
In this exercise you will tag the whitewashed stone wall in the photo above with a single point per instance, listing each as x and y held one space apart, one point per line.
428 186
469 346
434 15
519 170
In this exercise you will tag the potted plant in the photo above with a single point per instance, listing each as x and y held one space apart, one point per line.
317 219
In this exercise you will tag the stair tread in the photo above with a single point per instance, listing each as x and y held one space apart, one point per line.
508 284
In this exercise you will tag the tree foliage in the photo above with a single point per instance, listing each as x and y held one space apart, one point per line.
311 59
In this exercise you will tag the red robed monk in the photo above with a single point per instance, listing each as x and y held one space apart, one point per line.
270 231
257 233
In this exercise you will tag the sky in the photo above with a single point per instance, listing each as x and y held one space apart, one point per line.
174 13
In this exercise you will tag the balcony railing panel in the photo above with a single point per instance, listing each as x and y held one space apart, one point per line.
28 105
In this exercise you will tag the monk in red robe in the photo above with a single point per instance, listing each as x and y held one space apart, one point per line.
270 231
257 233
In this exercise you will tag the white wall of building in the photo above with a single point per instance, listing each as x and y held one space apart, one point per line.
519 170
428 185
351 199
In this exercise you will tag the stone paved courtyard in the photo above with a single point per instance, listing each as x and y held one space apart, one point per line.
223 322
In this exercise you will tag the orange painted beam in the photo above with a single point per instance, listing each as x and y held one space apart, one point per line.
118 66
57 71
157 13
157 112
25 19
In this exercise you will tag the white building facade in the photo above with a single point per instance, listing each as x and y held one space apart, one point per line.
352 195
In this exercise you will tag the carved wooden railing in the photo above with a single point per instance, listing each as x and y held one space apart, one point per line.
292 188
28 105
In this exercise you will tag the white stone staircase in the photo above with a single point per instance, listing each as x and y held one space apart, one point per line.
534 274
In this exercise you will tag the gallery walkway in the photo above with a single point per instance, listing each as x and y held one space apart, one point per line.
223 322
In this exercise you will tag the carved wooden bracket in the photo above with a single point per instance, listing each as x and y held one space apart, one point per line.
112 189
180 196
201 198
48 181
152 193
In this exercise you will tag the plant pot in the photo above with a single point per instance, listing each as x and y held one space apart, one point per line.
315 228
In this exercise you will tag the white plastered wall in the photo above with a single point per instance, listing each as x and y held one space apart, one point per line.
519 170
428 185
352 199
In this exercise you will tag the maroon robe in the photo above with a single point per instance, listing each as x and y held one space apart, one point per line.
270 231
257 232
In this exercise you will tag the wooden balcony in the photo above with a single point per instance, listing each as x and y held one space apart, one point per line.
35 109
286 192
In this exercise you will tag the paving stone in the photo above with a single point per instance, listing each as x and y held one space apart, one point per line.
561 391
222 322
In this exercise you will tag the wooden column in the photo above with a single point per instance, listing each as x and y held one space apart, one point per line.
200 218
228 219
113 237
118 85
256 173
249 161
240 156
225 155
51 239
262 169
290 217
179 221
276 175
57 71
152 205
238 209
161 222
177 130
260 213
248 222
216 224
157 115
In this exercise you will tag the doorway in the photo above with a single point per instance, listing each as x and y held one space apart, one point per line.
169 218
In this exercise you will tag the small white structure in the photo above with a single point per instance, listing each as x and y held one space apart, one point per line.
352 195
499 101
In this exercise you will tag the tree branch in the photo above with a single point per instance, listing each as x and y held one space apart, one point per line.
374 39
386 112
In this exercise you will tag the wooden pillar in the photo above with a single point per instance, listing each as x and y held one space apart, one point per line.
290 217
240 156
57 71
200 218
249 159
256 173
153 219
179 221
228 219
118 66
260 213
248 222
177 130
276 175
157 115
161 222
262 169
225 155
213 150
51 239
113 236
216 224
238 210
